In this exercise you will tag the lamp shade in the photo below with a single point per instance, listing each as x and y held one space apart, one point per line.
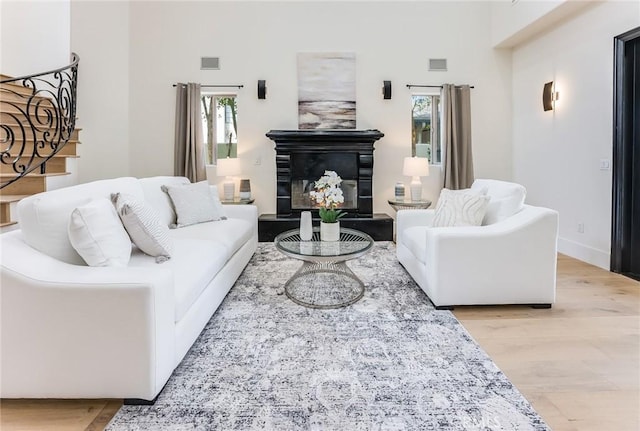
228 167
415 167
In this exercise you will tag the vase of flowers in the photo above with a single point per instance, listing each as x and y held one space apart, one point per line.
328 195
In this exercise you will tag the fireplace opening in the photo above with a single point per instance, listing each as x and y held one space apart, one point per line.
308 167
301 199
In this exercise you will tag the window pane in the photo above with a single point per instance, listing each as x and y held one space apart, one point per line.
219 125
425 124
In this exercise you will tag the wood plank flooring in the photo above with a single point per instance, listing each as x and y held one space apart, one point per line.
577 363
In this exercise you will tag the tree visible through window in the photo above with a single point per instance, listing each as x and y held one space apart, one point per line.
220 126
425 127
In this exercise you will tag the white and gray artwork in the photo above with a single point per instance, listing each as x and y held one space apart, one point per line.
326 90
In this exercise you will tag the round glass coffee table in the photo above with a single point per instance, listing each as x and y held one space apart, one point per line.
324 280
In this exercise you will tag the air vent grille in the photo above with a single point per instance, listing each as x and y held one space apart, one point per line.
437 64
209 63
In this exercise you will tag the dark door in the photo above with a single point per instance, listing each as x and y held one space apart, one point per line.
625 238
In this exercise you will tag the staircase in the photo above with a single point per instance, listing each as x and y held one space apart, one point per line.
37 133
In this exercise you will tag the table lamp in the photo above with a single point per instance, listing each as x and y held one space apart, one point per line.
416 167
228 168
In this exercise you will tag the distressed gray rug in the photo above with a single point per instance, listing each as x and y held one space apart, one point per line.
388 362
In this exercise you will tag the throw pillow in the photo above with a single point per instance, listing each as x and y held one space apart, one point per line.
194 203
216 201
96 233
456 208
451 193
143 226
506 199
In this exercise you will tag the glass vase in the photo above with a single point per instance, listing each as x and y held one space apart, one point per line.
306 228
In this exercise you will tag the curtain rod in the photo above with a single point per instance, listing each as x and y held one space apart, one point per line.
219 86
432 86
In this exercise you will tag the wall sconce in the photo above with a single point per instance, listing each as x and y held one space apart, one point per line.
262 89
386 89
549 96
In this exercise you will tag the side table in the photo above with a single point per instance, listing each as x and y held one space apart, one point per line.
237 201
409 204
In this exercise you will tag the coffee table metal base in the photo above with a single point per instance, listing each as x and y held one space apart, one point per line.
324 285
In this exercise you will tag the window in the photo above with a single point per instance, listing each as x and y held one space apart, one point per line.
425 127
220 126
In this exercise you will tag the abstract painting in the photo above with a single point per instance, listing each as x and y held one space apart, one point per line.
326 90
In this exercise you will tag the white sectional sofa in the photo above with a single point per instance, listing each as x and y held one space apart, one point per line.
509 259
69 330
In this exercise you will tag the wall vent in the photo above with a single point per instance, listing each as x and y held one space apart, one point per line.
437 64
207 63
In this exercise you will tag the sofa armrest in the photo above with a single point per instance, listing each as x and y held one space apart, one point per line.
82 332
409 218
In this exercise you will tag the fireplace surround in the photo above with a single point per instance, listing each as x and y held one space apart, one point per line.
302 156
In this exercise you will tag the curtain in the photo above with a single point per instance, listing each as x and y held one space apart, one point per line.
456 134
189 150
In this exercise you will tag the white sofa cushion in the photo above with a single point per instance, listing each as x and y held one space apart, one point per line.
144 227
460 208
231 233
193 203
96 233
44 217
194 263
158 199
507 199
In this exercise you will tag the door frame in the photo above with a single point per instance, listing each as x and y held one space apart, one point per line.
622 149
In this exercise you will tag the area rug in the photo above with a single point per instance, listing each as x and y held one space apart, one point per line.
388 362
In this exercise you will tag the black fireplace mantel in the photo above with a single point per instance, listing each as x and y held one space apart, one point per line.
325 140
307 150
297 150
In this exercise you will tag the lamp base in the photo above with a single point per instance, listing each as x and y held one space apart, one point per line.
416 190
229 190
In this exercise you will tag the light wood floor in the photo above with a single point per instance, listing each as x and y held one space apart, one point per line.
577 363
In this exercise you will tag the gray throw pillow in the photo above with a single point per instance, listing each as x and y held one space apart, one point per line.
194 203
143 226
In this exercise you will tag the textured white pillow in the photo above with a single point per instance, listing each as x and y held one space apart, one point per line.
449 193
96 233
143 226
506 199
216 201
194 203
460 208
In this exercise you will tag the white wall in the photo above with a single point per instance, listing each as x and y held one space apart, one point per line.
391 40
100 36
515 22
34 36
557 153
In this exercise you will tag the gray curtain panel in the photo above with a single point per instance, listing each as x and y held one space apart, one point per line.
189 150
456 128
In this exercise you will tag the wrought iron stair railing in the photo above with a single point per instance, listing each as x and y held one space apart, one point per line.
38 117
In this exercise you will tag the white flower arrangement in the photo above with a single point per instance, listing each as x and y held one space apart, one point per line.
328 195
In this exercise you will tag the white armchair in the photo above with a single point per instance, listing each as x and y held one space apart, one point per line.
512 260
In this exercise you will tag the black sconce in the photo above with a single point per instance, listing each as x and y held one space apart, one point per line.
262 89
549 96
386 89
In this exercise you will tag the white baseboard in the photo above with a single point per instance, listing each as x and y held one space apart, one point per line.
585 253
